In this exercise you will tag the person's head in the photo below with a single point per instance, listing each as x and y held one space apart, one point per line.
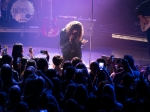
42 64
109 89
101 60
81 95
125 64
94 67
102 76
75 27
80 65
17 50
21 107
39 85
6 59
92 104
30 50
14 94
69 91
43 101
71 105
66 64
75 61
107 102
127 79
29 86
6 73
26 74
56 86
57 60
31 63
129 105
142 88
70 72
120 94
130 60
50 73
3 97
79 77
100 87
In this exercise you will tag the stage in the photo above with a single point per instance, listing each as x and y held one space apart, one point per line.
140 54
109 30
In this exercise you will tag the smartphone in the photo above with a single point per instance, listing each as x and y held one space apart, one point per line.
79 70
101 65
43 111
43 51
18 60
5 50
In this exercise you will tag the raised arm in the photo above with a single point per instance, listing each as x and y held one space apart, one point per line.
64 41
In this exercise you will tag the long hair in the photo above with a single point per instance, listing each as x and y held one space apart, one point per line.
17 50
75 25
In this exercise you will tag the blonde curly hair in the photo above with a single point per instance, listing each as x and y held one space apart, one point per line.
75 25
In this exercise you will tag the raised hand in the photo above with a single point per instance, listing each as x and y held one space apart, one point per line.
84 41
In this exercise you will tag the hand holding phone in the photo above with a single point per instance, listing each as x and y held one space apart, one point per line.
101 65
43 51
18 60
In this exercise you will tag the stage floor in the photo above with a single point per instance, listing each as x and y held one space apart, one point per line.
139 54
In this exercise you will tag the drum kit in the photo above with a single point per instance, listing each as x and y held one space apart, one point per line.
21 11
25 13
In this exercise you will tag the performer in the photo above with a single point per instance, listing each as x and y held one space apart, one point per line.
71 40
144 10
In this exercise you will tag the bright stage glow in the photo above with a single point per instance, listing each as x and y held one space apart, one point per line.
134 38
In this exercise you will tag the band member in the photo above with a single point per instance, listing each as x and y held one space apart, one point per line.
71 40
144 10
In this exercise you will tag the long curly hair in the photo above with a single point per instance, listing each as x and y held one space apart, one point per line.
75 25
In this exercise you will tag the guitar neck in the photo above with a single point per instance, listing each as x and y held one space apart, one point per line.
50 15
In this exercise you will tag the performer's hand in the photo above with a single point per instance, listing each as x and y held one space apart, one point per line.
84 41
145 21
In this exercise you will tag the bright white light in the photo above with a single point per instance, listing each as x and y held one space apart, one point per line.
134 38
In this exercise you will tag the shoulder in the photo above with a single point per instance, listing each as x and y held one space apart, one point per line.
24 59
14 71
119 105
63 30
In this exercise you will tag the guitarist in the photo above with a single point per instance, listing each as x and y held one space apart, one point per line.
144 10
71 40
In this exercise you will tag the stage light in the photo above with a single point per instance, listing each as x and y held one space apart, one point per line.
129 37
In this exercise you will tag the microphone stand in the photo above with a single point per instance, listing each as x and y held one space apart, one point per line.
91 33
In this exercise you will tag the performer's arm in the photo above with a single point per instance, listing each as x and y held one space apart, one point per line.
64 41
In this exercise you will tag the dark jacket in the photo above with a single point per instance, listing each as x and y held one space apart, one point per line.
143 9
64 43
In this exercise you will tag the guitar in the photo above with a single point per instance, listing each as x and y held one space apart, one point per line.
143 26
50 29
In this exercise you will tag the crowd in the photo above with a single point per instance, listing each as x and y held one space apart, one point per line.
29 85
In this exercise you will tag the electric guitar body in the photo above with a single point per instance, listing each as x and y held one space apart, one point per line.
50 28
